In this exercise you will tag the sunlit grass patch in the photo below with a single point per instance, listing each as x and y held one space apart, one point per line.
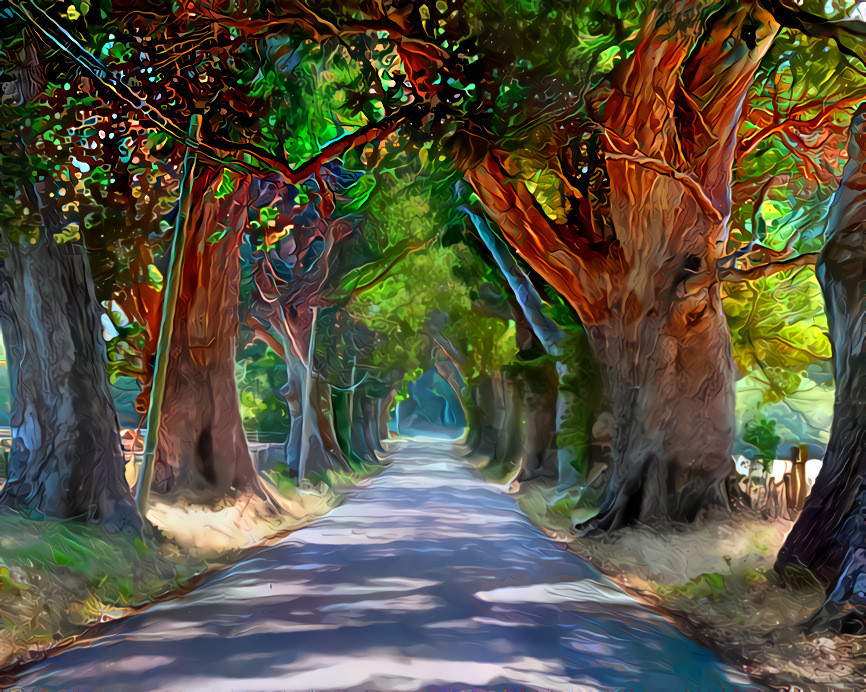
56 576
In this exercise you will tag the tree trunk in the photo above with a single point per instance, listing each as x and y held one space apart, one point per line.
669 382
496 420
370 416
637 256
508 398
202 445
66 459
829 537
317 458
359 434
385 413
341 401
323 406
481 419
540 397
292 392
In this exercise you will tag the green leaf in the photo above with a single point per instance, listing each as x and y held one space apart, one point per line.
217 235
226 185
154 276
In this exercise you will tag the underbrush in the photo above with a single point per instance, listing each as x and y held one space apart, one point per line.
715 580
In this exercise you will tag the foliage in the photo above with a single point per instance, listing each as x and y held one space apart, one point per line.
582 383
778 327
761 434
261 376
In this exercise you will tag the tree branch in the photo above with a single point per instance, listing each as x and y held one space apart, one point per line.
791 16
321 28
662 168
733 275
405 252
749 144
69 45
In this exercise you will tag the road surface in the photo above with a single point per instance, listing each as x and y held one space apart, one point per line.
429 578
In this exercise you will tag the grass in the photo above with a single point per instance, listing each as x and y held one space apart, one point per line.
57 576
283 478
715 580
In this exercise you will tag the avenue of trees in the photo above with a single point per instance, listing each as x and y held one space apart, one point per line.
590 218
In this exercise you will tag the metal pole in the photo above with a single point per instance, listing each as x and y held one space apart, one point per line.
166 327
306 422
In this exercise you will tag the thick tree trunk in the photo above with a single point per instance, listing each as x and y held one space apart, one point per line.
66 459
202 445
829 537
669 382
637 258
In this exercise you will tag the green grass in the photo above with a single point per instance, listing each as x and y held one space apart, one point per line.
56 576
283 477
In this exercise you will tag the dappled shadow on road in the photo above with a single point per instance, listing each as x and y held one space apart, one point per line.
428 577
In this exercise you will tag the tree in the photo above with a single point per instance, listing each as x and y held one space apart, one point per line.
66 459
162 68
613 178
293 257
829 537
639 265
201 433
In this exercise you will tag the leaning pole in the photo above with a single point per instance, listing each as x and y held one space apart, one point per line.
166 327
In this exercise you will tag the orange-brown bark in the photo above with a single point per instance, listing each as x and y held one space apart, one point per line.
202 442
645 282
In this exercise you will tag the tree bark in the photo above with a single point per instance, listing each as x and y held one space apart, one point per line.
323 406
318 458
539 403
341 401
637 257
510 429
202 445
385 413
370 419
481 419
360 438
66 459
670 388
829 537
292 392
495 419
